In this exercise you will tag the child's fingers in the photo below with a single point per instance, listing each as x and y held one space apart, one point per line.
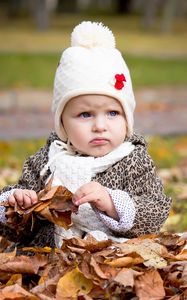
24 198
27 201
33 196
91 197
78 195
85 189
11 200
19 197
29 198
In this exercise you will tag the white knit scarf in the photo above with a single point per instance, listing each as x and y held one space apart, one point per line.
72 171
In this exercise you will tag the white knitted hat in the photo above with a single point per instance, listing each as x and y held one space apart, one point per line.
92 65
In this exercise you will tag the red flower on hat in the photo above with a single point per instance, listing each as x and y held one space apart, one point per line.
119 81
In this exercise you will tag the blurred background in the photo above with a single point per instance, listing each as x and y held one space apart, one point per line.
152 36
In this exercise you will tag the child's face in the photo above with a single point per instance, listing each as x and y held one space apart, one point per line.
94 124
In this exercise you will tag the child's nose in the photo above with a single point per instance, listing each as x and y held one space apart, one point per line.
99 124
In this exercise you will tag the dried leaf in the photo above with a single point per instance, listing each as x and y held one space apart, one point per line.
54 203
90 244
126 277
131 259
149 286
15 279
16 292
151 252
5 257
23 264
181 256
71 283
4 243
97 269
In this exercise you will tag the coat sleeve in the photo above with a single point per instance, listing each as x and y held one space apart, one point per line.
141 182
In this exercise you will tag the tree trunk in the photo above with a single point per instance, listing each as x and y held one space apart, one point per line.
168 15
41 10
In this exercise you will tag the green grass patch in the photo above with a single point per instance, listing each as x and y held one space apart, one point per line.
27 70
13 153
37 70
157 71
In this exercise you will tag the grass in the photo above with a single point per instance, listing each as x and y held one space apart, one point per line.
37 70
13 153
27 70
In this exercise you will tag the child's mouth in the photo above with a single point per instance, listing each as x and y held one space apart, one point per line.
99 141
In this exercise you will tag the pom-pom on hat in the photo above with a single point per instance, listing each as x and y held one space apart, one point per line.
92 65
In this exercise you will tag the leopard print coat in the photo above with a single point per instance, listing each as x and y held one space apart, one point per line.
134 174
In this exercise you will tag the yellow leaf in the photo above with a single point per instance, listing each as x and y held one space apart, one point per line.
15 278
71 283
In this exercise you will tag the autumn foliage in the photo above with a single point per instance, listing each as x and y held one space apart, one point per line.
151 267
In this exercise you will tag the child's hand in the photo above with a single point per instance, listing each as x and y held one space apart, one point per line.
95 193
23 198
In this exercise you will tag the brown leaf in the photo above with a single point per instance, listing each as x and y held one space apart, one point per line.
97 268
62 219
23 264
149 286
47 193
4 243
5 257
48 285
182 255
71 283
126 277
16 292
90 244
173 242
184 276
125 261
54 203
151 252
176 274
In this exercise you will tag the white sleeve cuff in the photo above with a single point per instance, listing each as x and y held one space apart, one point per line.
125 208
4 197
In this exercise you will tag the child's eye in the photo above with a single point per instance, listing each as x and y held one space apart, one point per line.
113 113
85 115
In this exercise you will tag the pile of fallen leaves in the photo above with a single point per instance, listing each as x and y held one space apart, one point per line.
151 267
